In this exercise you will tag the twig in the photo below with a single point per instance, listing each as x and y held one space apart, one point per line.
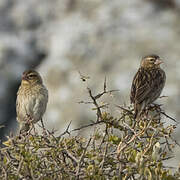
174 141
5 173
99 114
169 167
88 125
81 159
124 109
150 144
50 133
66 131
104 92
105 134
102 106
20 166
104 156
167 158
127 126
85 102
69 155
163 96
169 116
94 100
43 124
122 146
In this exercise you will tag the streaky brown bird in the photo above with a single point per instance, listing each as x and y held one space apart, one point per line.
147 84
32 98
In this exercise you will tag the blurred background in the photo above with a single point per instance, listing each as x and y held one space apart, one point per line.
97 38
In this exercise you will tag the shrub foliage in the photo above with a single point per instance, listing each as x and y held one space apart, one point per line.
118 148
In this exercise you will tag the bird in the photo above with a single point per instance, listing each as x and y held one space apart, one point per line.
31 102
147 83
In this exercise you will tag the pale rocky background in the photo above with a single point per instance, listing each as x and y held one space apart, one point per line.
96 37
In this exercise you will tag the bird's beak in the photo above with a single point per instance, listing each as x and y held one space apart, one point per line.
158 61
24 77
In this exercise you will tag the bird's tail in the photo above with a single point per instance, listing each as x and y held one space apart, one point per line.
135 114
138 108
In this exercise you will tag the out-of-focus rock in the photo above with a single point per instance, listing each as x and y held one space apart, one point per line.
103 39
18 51
98 38
161 4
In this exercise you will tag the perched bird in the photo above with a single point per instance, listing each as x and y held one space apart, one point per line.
147 84
32 98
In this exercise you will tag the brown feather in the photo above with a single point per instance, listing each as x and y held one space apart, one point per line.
147 86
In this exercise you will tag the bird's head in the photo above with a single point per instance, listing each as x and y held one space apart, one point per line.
31 77
151 62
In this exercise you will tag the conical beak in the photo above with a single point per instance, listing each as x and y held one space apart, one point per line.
24 77
158 61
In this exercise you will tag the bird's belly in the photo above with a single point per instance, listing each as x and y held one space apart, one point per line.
27 109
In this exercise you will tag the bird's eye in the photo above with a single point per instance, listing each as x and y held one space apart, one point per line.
151 60
32 75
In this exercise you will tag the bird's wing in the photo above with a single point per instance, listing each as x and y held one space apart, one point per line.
19 105
157 85
140 87
40 104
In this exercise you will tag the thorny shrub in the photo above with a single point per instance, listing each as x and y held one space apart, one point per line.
119 148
